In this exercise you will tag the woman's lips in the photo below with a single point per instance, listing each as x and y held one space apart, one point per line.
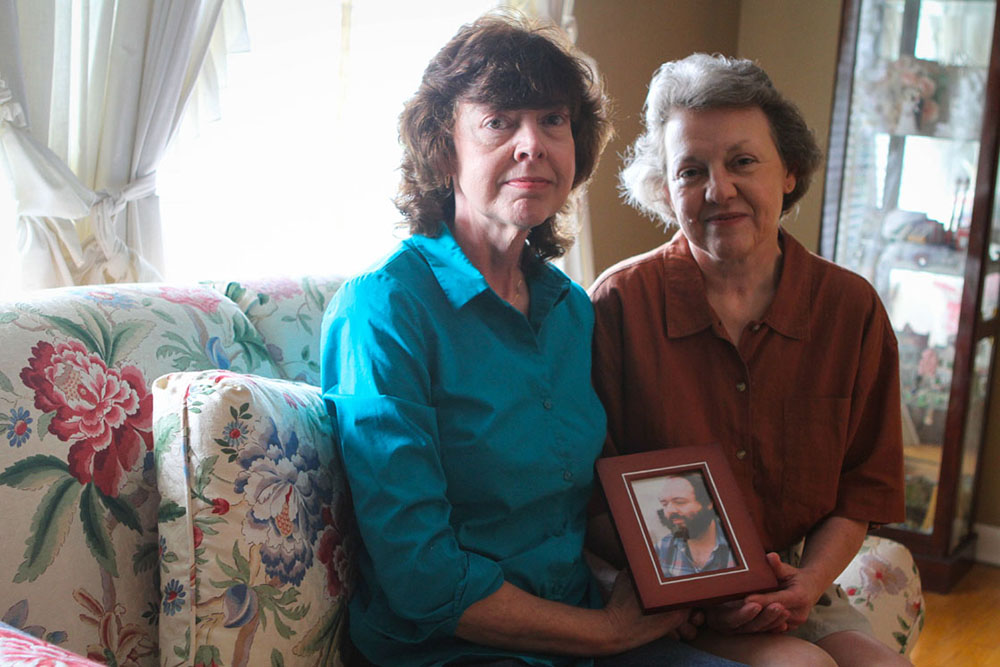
528 183
726 218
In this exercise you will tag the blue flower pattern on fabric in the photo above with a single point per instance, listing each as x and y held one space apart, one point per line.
285 484
173 597
18 427
235 433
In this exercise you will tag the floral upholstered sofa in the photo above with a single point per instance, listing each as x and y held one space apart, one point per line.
170 492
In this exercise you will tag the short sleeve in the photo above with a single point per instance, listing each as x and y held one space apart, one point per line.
871 481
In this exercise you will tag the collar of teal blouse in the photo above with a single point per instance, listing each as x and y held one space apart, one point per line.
462 282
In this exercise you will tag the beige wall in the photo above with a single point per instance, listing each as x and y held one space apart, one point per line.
795 41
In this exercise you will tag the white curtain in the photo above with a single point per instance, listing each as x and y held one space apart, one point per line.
92 92
579 261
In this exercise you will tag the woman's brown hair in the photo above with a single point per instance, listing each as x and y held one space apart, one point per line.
508 63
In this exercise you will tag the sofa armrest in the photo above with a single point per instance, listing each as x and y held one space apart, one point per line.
254 522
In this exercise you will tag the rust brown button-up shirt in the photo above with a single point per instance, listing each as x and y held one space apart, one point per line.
807 406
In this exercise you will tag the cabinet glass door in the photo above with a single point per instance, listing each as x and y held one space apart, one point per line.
905 208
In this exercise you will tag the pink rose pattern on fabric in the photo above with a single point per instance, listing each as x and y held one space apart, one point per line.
105 414
201 299
278 289
18 649
335 550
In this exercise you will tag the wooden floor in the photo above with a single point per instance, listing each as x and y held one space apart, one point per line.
962 627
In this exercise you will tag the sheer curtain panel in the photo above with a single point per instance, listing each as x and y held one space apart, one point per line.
94 90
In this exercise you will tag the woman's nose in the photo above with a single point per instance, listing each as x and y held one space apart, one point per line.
529 142
720 187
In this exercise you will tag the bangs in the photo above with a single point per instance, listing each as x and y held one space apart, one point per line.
530 74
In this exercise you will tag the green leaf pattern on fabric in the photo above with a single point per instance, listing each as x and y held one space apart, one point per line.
48 528
95 530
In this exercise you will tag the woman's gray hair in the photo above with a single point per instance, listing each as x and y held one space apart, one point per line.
703 81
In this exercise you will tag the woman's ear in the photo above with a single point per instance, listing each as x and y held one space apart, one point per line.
790 182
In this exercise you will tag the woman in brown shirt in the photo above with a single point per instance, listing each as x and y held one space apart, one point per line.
734 333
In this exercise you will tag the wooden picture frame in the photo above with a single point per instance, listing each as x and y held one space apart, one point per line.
634 485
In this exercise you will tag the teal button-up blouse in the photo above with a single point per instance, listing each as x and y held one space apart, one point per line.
468 434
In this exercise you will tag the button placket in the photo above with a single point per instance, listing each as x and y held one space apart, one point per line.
741 387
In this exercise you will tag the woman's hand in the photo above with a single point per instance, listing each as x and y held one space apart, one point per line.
742 617
779 611
631 628
798 593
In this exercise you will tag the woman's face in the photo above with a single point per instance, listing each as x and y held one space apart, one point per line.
512 168
726 182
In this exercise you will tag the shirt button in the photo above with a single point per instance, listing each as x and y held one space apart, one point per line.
741 454
547 403
741 386
567 475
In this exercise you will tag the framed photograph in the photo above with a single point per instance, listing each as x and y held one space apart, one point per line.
684 526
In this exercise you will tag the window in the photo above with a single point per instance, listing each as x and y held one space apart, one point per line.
299 174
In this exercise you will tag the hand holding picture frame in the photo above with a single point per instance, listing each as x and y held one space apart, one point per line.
684 527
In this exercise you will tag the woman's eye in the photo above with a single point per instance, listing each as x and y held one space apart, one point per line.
496 123
745 161
687 174
556 119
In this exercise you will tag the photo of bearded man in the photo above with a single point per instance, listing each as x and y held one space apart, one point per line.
696 541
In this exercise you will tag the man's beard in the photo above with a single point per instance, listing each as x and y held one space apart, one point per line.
694 526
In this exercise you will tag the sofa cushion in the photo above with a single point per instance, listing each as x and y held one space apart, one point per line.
883 583
76 459
255 524
287 313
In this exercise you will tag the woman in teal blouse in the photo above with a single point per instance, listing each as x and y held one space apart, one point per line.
458 370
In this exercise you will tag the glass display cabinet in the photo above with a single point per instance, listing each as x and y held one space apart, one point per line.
909 204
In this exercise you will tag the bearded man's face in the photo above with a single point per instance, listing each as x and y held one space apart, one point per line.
680 510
